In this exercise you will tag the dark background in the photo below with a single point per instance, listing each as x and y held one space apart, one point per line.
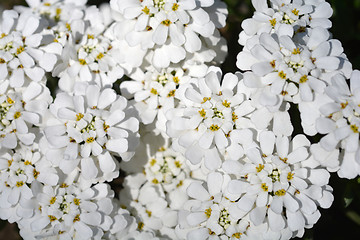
342 220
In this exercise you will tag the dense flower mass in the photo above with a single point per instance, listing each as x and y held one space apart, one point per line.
117 123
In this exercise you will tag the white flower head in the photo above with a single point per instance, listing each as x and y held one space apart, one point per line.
211 116
22 55
179 26
277 183
91 128
20 109
340 122
291 18
286 70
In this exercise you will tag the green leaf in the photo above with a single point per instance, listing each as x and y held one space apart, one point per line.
347 201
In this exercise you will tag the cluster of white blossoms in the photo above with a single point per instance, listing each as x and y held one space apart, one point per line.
117 123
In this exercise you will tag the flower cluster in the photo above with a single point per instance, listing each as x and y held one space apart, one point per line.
117 123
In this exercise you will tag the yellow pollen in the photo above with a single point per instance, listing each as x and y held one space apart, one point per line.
2 35
79 116
303 79
282 75
280 192
313 60
154 91
155 181
284 93
146 10
260 168
226 104
179 184
236 235
20 50
106 127
64 185
234 117
295 12
211 232
176 80
47 4
9 100
344 105
90 36
175 7
20 184
148 28
272 63
90 140
264 187
2 61
77 201
177 164
290 176
10 162
52 218
220 93
99 56
35 173
166 22
149 213
171 93
202 113
214 127
76 218
152 162
17 115
354 128
27 163
296 51
52 200
140 225
283 159
297 192
82 61
272 22
68 26
205 99
208 212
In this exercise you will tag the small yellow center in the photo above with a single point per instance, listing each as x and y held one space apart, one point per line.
171 93
20 50
214 127
19 183
290 176
82 61
272 22
52 218
76 218
354 128
176 80
280 192
149 213
79 116
154 91
296 51
52 200
272 63
99 56
146 10
152 162
260 168
208 212
205 99
90 140
90 36
295 12
236 235
175 7
202 113
282 75
226 104
77 201
17 115
303 79
166 22
2 61
264 187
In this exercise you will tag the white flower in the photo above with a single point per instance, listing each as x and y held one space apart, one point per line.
277 183
284 68
210 213
22 57
20 109
340 122
91 128
290 18
176 25
212 114
154 93
71 212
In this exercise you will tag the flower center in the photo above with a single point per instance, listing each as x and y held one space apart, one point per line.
224 219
